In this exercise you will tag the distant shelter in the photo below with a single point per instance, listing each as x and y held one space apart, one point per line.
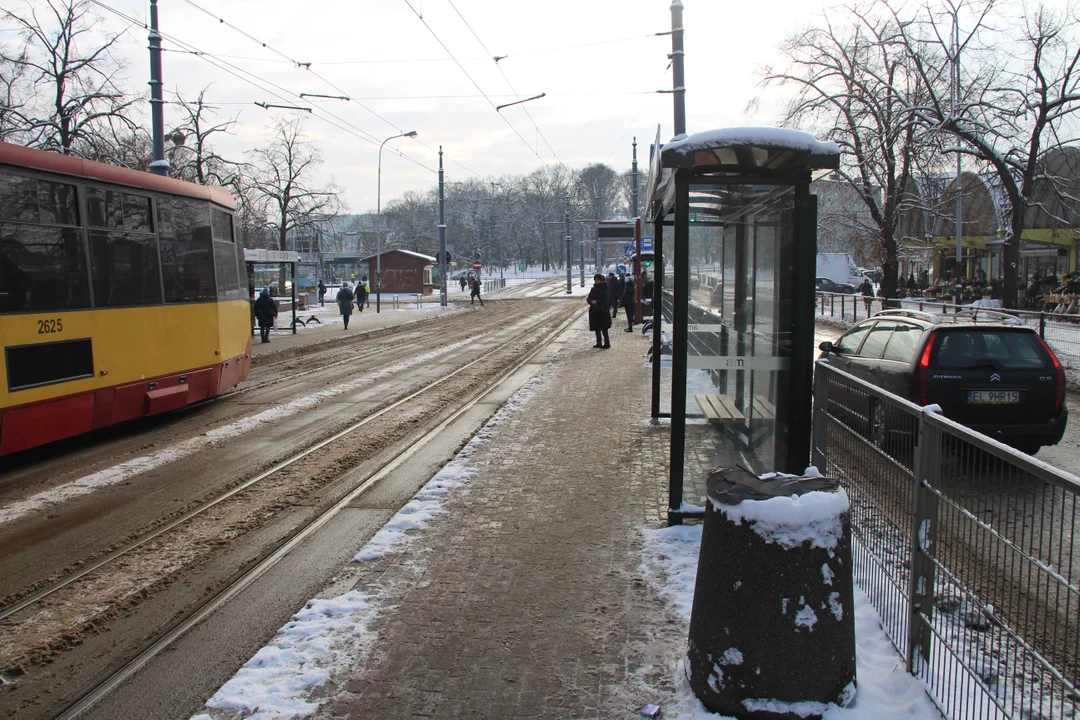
403 271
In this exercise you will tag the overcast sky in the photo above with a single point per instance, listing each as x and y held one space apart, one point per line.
598 62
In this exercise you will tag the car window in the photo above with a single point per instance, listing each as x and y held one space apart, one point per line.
849 342
990 349
876 339
902 344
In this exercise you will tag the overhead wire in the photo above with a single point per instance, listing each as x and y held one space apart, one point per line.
508 83
644 102
307 66
475 84
240 73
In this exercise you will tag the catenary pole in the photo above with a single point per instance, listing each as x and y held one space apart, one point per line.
159 166
679 89
442 236
569 277
634 185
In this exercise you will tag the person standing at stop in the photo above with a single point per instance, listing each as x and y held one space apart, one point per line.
361 295
265 312
628 303
599 320
322 293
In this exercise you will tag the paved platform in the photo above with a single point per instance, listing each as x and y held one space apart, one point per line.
525 599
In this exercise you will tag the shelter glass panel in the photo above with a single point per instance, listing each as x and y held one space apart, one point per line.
738 354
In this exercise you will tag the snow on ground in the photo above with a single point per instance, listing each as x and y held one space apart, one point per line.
129 468
329 635
886 690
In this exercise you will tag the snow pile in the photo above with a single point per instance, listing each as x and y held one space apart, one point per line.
886 690
276 682
812 517
129 468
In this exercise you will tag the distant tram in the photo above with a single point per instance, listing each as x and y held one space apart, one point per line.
121 295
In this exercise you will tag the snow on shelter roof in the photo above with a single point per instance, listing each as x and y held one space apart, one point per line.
775 150
397 250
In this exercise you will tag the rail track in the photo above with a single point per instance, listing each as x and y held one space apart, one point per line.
511 357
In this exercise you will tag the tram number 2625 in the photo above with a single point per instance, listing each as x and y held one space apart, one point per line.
50 326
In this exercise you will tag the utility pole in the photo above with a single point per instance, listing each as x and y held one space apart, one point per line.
959 155
442 237
569 277
679 89
157 111
582 256
634 185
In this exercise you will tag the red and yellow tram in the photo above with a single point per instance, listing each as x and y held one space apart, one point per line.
122 294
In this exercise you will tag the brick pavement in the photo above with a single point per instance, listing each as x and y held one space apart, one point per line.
526 599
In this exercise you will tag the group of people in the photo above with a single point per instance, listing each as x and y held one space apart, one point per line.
474 287
605 298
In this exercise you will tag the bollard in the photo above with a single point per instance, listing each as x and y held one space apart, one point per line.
772 630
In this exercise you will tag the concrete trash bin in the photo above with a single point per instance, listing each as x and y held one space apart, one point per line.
772 629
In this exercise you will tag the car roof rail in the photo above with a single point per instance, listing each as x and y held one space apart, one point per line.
993 316
916 314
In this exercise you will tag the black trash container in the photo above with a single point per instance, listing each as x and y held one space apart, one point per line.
772 630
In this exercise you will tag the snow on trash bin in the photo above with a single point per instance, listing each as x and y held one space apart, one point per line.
772 631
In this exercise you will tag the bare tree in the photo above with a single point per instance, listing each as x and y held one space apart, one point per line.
1017 102
282 175
191 156
14 93
76 88
852 83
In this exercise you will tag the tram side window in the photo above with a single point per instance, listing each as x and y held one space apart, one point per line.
125 269
228 276
42 268
223 227
42 265
187 262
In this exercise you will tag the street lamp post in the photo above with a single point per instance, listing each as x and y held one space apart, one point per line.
378 221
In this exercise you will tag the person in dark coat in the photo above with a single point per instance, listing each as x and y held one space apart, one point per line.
344 302
599 320
612 293
361 295
322 293
628 303
463 282
646 293
265 312
475 291
867 292
617 291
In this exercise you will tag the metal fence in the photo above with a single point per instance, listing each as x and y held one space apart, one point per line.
1060 330
964 546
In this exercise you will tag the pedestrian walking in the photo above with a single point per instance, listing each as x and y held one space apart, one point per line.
599 320
613 296
867 291
265 312
475 292
627 302
361 295
463 282
322 293
344 302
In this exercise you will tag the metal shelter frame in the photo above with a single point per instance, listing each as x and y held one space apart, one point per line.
269 257
737 183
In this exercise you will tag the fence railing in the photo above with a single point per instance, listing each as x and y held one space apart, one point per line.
964 546
494 284
1061 331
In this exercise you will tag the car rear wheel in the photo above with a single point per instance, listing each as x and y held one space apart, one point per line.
1027 447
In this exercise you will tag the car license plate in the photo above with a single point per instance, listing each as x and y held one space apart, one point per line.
993 397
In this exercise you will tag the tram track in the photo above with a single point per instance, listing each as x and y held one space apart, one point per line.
306 462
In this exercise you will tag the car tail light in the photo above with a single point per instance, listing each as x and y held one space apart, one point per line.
924 371
1060 396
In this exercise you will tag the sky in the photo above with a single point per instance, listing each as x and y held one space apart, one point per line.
599 63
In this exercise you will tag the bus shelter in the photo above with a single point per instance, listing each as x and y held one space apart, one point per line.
279 260
742 352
